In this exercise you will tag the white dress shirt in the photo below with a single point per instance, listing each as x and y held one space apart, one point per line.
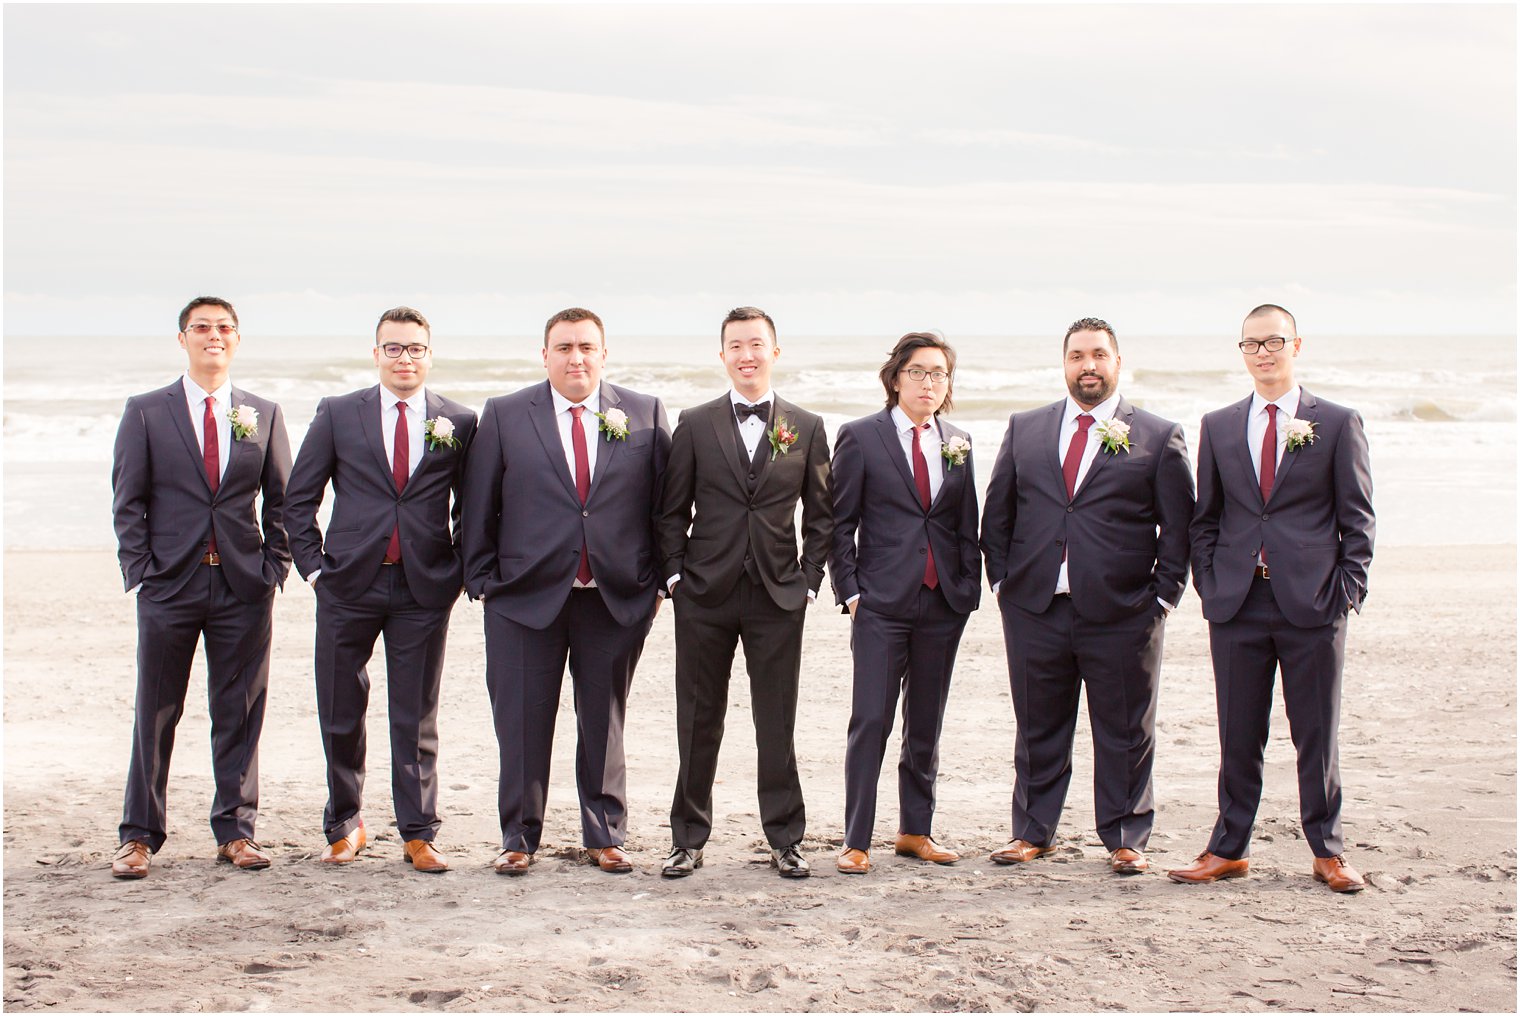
590 426
929 440
416 417
195 399
751 428
1101 412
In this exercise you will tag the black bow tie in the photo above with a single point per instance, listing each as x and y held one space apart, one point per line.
760 409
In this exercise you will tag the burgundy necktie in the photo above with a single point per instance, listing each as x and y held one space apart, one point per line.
921 481
401 461
1074 452
582 483
1268 461
211 458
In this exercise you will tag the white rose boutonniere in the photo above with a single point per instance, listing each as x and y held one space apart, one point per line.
613 423
1300 433
1114 434
245 422
955 451
439 431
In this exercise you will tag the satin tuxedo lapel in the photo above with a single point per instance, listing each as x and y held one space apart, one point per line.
763 463
179 412
609 447
1307 410
1124 413
728 440
541 412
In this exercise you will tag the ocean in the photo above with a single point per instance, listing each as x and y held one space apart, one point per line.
1442 431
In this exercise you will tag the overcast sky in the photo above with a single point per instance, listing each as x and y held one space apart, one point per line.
853 169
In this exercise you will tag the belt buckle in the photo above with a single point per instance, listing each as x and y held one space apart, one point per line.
213 559
1263 572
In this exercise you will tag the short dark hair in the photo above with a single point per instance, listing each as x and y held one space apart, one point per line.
897 362
205 301
1090 324
572 315
404 315
746 314
1270 308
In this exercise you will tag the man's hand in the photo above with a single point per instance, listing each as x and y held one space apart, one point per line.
852 605
658 600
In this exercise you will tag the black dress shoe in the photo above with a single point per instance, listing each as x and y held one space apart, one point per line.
790 863
681 862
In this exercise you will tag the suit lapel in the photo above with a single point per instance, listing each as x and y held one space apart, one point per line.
179 412
763 450
369 425
886 429
607 400
541 412
728 439
240 450
946 432
1307 410
1051 440
1123 412
1238 433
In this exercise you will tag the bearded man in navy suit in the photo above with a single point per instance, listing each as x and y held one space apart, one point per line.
1282 540
389 563
560 498
1086 537
192 461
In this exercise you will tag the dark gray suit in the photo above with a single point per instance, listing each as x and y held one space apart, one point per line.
524 528
1124 535
165 512
1317 530
358 598
904 635
741 579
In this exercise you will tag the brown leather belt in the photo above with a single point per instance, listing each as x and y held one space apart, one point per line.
1262 572
213 559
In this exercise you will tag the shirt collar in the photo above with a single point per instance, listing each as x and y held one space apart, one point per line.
903 424
416 402
739 400
1287 403
1104 410
564 405
197 394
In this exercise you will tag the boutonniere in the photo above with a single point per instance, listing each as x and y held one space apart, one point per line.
782 438
614 423
439 431
955 450
245 422
1114 434
1300 433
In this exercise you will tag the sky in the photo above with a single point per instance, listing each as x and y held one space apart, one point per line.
981 169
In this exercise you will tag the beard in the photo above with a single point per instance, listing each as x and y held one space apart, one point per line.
1091 397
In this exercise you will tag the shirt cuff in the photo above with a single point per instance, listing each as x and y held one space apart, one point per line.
1168 607
670 583
311 580
812 596
852 599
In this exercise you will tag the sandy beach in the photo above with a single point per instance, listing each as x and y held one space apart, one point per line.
1428 763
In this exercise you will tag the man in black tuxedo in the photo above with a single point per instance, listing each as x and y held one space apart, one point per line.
389 563
560 496
191 459
1086 537
742 462
905 565
1282 540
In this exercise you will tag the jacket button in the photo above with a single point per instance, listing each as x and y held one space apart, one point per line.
1265 517
1058 543
1069 509
921 550
751 476
585 515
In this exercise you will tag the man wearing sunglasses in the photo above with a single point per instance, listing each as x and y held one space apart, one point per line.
1282 539
388 564
190 461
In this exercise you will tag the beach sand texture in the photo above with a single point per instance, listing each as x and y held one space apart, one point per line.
1428 762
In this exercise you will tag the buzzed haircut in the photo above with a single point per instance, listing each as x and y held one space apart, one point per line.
205 301
1090 324
1272 308
404 315
746 314
571 315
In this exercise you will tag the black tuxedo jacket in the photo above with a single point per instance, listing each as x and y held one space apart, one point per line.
524 523
1124 533
1317 527
709 475
882 530
164 506
344 445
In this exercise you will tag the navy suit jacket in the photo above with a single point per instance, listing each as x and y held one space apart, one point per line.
524 525
1317 527
164 507
882 530
1124 532
344 445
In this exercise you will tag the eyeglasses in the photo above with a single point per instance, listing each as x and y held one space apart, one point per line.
202 328
394 350
1272 345
938 377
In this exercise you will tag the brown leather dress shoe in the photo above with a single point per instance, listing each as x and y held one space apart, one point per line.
609 859
1019 852
1126 861
1210 868
1338 875
245 854
423 857
925 849
347 849
131 860
854 862
512 862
